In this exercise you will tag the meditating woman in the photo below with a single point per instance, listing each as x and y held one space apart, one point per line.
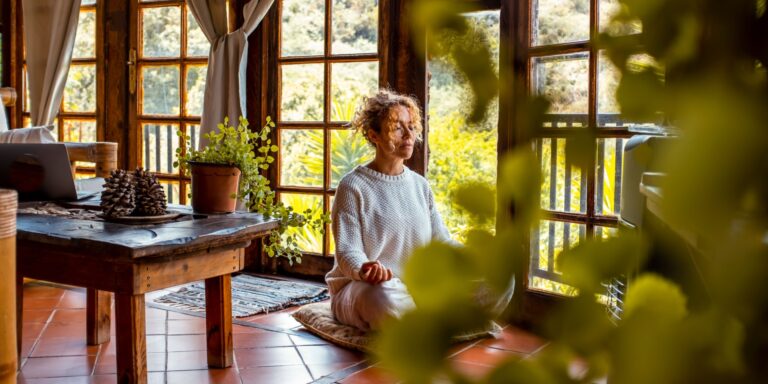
381 213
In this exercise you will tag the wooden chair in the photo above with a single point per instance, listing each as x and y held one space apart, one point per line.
104 156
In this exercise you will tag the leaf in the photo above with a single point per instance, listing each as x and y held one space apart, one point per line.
478 199
655 297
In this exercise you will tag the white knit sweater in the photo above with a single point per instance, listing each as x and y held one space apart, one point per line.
381 217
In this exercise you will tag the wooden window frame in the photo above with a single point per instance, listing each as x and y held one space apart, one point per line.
327 125
136 119
17 63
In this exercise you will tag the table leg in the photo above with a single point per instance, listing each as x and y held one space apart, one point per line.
218 320
97 316
131 339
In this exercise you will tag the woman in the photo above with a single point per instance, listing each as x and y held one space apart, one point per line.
382 212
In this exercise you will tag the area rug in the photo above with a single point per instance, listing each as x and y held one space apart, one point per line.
251 295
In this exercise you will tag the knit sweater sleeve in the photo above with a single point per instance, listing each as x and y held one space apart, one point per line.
347 231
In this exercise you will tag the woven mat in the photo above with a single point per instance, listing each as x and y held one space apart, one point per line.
251 295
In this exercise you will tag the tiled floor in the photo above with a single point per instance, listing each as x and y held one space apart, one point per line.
270 348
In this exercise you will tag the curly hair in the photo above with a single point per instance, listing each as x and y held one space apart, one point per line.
375 114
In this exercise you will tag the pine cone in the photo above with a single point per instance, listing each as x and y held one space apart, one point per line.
150 195
118 197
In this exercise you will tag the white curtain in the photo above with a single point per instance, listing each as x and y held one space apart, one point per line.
225 81
49 34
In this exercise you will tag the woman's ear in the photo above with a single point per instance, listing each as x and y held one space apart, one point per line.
374 137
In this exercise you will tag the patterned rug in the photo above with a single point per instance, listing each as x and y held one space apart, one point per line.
251 295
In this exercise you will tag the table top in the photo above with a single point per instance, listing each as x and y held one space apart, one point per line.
188 233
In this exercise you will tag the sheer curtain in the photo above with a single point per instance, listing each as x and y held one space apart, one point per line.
49 36
225 81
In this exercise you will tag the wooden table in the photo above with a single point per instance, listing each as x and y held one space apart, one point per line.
132 260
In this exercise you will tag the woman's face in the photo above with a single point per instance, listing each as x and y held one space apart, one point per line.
397 138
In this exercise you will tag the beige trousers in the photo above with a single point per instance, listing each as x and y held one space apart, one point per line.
367 306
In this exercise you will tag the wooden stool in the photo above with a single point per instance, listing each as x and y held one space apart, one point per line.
8 348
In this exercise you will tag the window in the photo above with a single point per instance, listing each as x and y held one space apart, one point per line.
77 118
171 60
327 61
580 83
460 153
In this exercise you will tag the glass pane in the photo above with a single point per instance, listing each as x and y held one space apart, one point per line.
85 39
197 43
348 149
88 2
25 75
605 232
161 29
608 8
564 80
83 131
307 239
608 78
195 89
172 191
301 92
80 90
301 157
194 135
303 27
351 81
547 241
608 181
355 26
460 152
160 90
159 147
557 21
563 187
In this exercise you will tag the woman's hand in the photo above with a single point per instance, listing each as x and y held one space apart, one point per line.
372 272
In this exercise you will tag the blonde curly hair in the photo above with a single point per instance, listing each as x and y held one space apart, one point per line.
376 114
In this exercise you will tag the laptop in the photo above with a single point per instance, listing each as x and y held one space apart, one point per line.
39 172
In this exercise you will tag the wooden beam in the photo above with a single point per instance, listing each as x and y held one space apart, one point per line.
218 321
8 290
98 313
131 339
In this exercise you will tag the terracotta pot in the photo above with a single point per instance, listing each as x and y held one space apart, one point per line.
213 186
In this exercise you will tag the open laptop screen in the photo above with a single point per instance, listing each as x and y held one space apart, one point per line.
37 171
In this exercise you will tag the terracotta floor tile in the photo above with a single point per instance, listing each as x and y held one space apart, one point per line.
64 346
484 355
370 375
472 370
156 314
32 330
237 329
155 378
69 316
36 316
320 370
282 320
264 357
73 299
328 354
155 327
155 344
41 303
287 374
516 339
186 327
36 367
26 345
180 316
60 380
36 290
105 365
307 338
186 343
184 361
212 376
156 362
64 330
262 339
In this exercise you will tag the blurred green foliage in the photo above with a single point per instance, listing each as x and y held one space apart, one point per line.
714 90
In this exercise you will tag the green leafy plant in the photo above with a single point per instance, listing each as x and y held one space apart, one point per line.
251 152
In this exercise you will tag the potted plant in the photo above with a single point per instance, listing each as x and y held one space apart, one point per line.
234 160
